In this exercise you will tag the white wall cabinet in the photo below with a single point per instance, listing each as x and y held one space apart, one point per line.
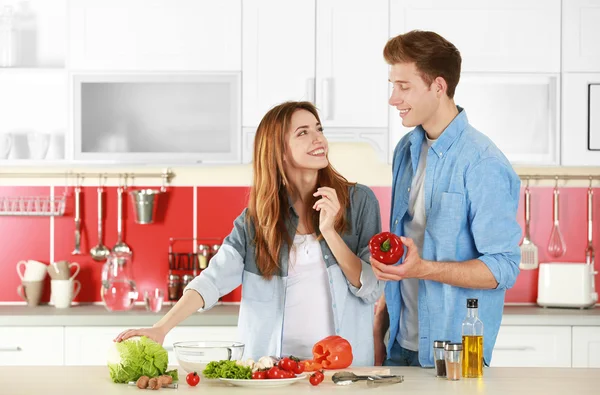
533 346
90 345
319 56
580 32
586 347
580 141
155 35
492 36
31 346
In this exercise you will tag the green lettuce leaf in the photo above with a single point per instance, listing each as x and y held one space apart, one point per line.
227 370
136 357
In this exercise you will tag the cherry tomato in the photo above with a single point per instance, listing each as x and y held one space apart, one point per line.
319 374
299 368
314 379
192 379
259 375
287 375
287 364
274 373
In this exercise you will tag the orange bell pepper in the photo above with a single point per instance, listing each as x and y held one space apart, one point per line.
333 352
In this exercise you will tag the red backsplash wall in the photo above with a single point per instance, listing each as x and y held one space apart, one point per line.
25 238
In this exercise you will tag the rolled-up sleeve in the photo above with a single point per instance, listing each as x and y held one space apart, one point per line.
368 225
493 190
225 271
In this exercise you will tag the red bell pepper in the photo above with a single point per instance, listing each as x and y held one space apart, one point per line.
386 247
333 352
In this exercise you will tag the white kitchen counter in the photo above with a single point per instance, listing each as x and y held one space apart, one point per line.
227 315
502 381
97 315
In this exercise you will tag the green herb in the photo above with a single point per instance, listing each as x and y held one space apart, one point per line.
226 370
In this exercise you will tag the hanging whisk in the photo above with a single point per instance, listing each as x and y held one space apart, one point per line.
556 244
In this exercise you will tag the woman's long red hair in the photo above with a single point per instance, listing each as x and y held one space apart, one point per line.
268 205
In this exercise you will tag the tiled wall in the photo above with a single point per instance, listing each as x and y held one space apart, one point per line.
24 238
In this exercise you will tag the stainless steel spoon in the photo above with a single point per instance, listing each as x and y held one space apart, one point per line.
100 252
344 378
121 246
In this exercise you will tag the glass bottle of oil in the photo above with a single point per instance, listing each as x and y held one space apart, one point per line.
472 339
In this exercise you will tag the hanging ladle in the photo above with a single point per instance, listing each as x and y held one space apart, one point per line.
121 246
100 252
556 244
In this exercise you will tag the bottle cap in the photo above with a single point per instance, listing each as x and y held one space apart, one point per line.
440 343
471 303
453 347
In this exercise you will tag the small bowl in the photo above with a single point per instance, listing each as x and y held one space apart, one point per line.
193 356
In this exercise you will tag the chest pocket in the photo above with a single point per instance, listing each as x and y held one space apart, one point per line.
256 288
445 220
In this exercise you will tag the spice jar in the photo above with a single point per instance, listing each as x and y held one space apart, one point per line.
438 356
173 286
203 256
453 356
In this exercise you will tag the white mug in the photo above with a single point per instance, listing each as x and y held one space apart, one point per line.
6 142
63 292
38 143
34 270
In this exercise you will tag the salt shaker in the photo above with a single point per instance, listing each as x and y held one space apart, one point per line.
453 356
173 287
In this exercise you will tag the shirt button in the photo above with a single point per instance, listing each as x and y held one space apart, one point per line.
408 189
334 305
440 154
337 331
396 222
330 281
326 256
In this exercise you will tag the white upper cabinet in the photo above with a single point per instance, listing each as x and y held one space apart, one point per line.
581 32
504 36
155 35
351 79
328 52
278 55
580 145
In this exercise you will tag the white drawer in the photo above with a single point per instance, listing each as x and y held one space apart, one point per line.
586 346
90 345
533 346
31 346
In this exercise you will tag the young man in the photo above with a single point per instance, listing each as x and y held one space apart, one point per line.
454 202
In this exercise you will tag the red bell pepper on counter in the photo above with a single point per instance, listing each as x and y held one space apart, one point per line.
386 247
333 352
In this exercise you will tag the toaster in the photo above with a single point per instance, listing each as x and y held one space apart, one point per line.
566 284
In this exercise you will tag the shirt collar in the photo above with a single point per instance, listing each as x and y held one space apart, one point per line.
448 136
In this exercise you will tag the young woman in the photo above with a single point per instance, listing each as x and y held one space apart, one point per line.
300 249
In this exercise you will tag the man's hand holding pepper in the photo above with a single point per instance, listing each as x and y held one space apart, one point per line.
412 266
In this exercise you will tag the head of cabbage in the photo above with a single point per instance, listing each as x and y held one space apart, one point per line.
136 357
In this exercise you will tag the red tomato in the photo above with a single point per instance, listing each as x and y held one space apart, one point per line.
287 375
259 375
192 379
287 364
319 374
274 373
316 378
299 368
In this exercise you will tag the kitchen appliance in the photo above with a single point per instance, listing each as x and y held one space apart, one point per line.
566 284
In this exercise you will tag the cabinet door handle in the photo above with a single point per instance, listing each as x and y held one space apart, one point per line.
310 90
327 93
518 348
10 349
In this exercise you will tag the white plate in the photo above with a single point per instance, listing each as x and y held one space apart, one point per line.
264 383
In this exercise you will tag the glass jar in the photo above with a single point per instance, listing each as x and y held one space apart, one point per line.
439 358
453 356
118 290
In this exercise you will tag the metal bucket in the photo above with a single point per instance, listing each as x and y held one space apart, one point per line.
145 202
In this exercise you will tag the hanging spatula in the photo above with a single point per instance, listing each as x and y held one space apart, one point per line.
529 251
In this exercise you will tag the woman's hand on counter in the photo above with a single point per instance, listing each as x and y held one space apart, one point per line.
155 333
